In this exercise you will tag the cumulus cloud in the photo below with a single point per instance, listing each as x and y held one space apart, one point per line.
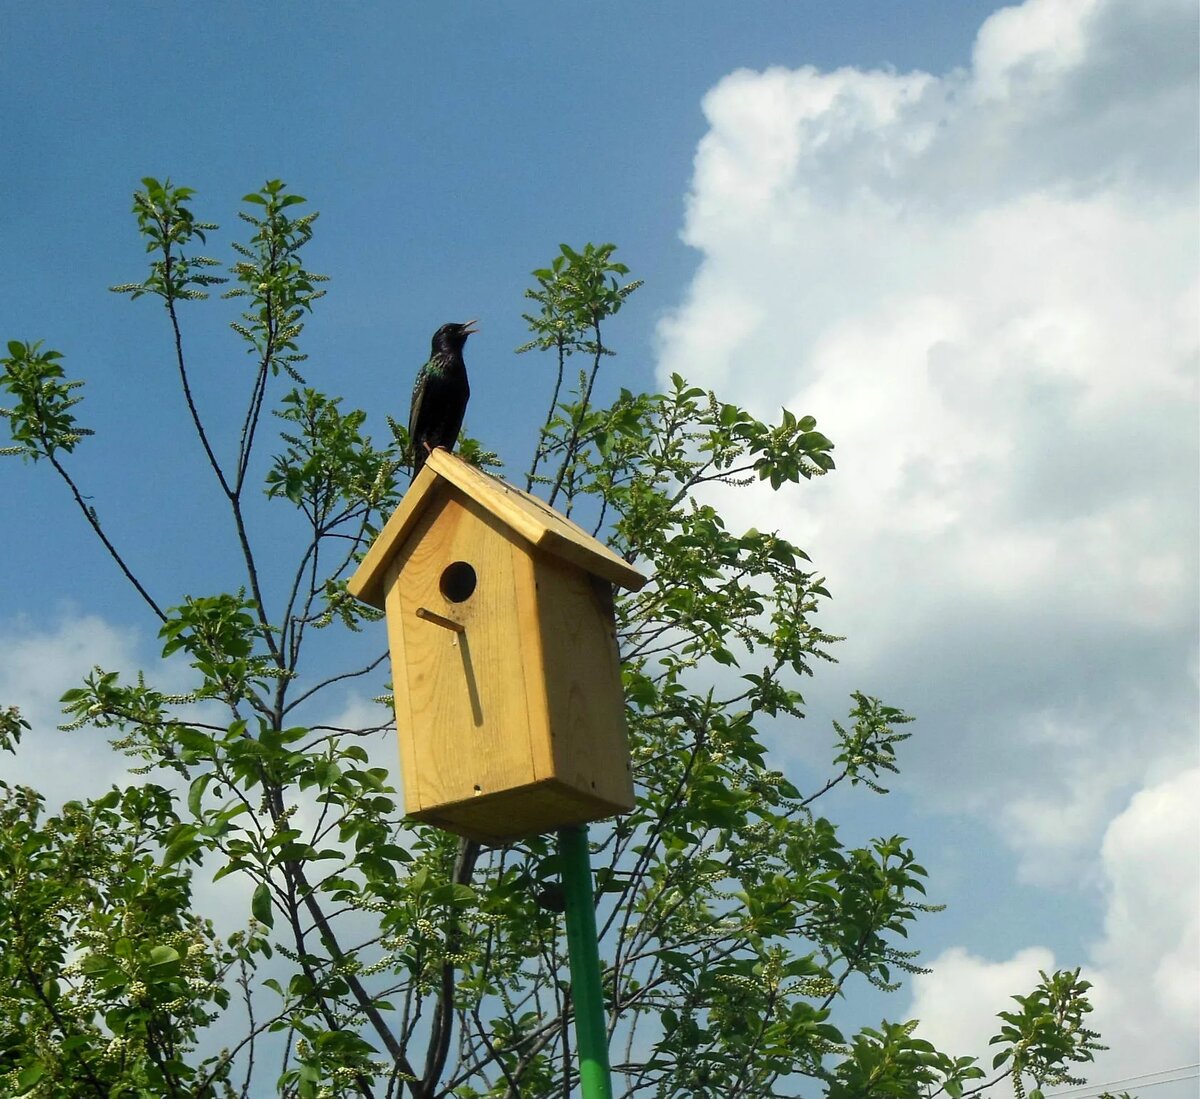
38 663
1148 959
984 286
956 1004
1143 969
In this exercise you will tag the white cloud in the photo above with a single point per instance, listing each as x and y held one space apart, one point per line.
1149 955
984 285
38 663
1145 969
1033 43
956 1004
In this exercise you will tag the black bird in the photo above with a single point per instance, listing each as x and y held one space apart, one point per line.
440 395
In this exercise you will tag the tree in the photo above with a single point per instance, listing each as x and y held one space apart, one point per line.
381 958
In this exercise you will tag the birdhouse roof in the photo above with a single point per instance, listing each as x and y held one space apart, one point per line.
525 515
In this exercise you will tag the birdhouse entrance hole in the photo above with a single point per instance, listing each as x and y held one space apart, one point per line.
458 582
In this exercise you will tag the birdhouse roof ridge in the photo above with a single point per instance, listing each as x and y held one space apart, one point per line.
521 512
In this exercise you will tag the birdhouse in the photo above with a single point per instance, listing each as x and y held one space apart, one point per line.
509 706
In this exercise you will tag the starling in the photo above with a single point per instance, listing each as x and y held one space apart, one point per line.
440 394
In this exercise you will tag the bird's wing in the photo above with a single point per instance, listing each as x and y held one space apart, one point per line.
418 395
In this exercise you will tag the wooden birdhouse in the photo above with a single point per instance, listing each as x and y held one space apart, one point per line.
507 682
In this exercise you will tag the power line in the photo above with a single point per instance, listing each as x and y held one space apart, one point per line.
1093 1091
1124 1080
1107 1088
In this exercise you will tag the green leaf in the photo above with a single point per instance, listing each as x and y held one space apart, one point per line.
260 905
96 964
163 955
30 1075
182 848
196 792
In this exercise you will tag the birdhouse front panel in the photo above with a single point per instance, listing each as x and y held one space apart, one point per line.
461 704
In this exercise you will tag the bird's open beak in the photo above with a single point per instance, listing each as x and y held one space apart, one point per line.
468 330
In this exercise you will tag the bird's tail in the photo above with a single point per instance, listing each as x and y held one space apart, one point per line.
418 460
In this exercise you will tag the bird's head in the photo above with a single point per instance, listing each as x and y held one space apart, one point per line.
451 337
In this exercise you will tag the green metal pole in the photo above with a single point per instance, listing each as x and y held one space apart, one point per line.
587 994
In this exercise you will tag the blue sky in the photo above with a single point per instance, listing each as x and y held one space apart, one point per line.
962 237
448 153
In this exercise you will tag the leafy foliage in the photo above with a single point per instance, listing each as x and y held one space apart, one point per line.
375 957
1046 1035
42 423
108 977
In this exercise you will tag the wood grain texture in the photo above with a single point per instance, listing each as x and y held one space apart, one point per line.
537 522
509 708
468 715
369 582
528 811
533 665
524 514
399 658
582 673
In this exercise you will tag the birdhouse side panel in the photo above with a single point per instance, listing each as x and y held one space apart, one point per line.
583 683
468 716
